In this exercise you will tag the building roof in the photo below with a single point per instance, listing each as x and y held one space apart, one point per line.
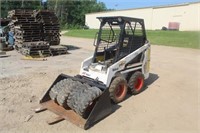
154 7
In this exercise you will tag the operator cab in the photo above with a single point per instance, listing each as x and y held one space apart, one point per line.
117 37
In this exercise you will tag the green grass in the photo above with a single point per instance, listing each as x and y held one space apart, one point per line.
187 39
82 33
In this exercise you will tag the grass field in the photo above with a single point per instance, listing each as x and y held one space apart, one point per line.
187 39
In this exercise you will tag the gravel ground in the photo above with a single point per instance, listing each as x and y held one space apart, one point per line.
170 104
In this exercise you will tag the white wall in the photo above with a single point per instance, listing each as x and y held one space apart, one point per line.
188 15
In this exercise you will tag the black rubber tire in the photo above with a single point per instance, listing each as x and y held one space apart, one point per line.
61 99
136 83
57 88
81 100
73 94
118 89
66 90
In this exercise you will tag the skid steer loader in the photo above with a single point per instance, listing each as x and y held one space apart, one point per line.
120 64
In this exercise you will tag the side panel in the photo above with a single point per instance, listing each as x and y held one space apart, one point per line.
146 63
120 65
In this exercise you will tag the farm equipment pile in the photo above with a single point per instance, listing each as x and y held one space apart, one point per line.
120 64
50 26
33 36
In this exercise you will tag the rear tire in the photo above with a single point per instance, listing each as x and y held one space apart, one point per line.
136 83
118 89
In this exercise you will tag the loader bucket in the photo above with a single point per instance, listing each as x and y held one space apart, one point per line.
101 109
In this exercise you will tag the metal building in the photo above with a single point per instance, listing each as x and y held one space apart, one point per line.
186 15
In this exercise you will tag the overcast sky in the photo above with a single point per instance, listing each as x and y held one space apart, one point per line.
126 4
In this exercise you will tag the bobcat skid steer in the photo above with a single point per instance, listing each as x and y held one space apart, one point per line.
120 64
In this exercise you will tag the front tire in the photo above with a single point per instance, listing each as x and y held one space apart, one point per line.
118 89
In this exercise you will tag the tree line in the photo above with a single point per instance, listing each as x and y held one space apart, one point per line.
71 13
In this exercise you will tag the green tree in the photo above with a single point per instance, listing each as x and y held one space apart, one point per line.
72 13
7 5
